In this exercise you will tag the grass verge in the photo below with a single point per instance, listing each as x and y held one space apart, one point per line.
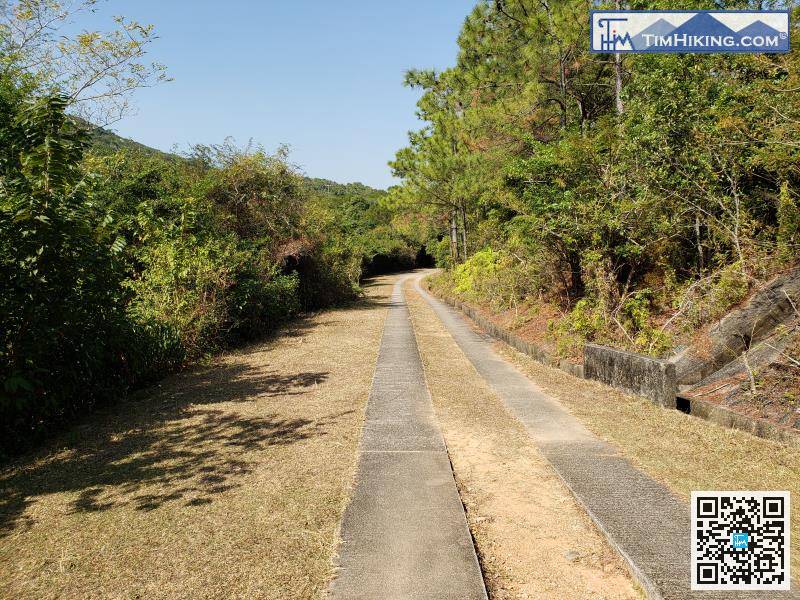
532 538
228 480
683 452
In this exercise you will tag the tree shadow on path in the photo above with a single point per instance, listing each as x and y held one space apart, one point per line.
160 447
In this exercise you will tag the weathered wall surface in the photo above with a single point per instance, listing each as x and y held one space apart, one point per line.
741 329
728 418
649 377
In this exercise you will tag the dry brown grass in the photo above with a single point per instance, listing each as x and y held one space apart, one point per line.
684 452
227 481
533 539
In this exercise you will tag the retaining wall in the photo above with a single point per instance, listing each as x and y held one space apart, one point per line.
635 373
533 350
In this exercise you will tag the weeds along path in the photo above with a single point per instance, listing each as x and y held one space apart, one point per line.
226 481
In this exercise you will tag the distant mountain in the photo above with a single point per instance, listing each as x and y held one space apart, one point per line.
703 24
105 141
108 142
660 27
332 188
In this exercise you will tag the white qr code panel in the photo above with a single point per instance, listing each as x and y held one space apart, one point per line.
740 541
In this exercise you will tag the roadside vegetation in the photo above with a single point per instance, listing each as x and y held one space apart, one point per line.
119 263
628 202
226 480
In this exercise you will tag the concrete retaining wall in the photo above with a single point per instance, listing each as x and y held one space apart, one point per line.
635 373
649 377
728 418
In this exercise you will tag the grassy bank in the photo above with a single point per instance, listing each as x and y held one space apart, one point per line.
225 480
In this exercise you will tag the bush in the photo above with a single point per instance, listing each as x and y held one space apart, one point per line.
474 276
113 277
440 250
260 302
327 277
117 268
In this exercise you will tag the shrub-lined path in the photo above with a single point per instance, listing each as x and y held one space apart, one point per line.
445 475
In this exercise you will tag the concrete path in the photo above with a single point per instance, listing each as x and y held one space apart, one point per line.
647 524
404 534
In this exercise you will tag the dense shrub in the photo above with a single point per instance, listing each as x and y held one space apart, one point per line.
788 225
118 267
67 342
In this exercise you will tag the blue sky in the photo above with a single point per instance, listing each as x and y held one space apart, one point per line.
323 76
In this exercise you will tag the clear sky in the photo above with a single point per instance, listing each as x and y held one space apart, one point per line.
323 76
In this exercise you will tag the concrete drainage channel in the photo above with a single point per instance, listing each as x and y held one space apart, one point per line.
641 518
651 378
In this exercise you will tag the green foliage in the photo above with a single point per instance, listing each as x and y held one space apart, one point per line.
496 278
708 299
527 151
119 266
120 262
440 250
476 272
67 343
626 325
357 224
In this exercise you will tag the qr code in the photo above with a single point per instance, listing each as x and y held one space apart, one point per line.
740 541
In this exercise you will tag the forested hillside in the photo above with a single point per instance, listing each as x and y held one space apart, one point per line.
628 201
120 263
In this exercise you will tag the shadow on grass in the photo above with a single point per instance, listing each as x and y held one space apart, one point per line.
162 447
173 445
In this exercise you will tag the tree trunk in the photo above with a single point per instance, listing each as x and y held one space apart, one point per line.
464 230
454 236
700 262
562 65
618 76
576 285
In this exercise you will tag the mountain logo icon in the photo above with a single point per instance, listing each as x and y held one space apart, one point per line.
690 31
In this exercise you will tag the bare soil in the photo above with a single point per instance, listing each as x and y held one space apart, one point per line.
226 481
532 538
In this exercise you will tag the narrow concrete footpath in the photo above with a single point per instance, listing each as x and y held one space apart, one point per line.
404 533
648 525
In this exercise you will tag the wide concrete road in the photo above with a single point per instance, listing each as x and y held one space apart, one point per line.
404 533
